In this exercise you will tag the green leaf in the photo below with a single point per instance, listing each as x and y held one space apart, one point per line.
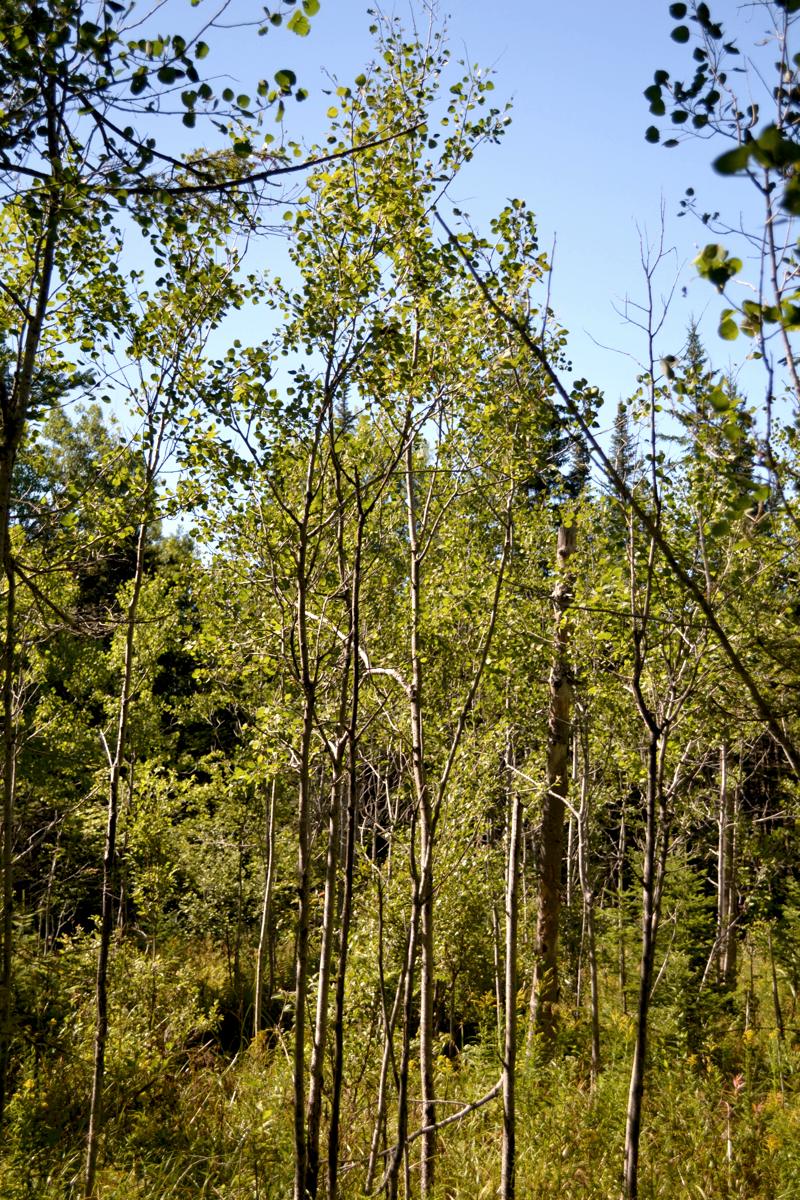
728 329
653 95
677 11
311 7
680 33
791 196
733 160
790 315
719 401
714 264
651 134
201 50
774 149
285 79
298 23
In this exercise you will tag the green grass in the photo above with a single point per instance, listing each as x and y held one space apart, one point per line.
187 1122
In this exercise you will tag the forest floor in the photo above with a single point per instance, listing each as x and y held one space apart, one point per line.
187 1118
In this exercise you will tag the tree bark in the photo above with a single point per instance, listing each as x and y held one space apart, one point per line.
265 949
587 891
307 679
649 926
390 1020
351 818
545 991
622 966
301 930
399 1151
329 906
726 885
426 828
508 1161
730 959
722 863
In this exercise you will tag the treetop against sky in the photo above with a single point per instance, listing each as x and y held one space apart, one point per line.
575 149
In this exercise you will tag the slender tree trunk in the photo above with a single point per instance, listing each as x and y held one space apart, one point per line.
122 875
730 963
426 828
726 885
265 950
390 1021
399 1151
723 832
594 990
498 978
9 787
622 965
426 1026
508 1163
653 868
351 819
329 907
110 870
238 990
308 685
569 862
545 992
301 943
587 891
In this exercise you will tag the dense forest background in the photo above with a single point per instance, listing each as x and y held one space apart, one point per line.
400 743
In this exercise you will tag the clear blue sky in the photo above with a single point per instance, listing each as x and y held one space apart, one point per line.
575 151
